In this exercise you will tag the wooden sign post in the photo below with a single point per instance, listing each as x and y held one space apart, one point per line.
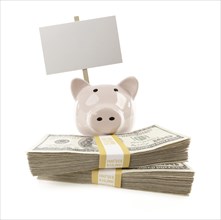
85 72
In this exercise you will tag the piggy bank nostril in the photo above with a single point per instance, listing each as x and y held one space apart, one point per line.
111 118
99 119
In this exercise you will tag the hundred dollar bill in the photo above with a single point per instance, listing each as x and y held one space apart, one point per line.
174 178
141 140
58 154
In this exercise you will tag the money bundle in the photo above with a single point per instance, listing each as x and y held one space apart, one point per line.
63 154
173 178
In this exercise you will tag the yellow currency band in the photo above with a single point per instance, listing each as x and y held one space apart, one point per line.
113 179
103 155
118 175
94 176
124 148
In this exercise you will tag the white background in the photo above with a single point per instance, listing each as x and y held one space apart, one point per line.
173 48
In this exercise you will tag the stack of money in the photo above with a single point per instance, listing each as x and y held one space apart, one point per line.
150 159
61 154
173 178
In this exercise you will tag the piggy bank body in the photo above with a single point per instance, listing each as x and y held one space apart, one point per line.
104 109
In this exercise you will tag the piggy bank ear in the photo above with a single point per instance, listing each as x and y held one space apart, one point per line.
130 84
76 86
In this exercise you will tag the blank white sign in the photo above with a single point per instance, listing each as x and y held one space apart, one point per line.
80 45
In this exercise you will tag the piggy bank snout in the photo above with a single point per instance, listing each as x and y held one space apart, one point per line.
105 121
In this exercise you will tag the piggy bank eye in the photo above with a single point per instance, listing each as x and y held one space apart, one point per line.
116 90
95 90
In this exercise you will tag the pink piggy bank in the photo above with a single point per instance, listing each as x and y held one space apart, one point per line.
104 109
